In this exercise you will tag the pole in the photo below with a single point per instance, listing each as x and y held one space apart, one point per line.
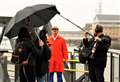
75 25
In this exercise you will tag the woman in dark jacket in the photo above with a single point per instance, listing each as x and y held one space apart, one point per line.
42 60
26 51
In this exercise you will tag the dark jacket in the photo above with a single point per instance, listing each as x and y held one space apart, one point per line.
28 51
100 55
42 63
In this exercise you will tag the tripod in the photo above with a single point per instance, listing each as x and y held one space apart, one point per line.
84 77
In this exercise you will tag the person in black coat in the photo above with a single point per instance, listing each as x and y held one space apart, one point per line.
99 45
42 63
26 52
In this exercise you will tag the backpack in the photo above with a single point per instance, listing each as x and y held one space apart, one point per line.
84 54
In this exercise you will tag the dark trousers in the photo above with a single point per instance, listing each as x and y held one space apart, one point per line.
96 73
59 77
27 74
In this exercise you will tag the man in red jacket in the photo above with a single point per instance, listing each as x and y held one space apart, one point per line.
59 52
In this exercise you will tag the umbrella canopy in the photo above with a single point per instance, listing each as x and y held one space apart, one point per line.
32 16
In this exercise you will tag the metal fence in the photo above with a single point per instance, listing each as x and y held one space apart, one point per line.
77 72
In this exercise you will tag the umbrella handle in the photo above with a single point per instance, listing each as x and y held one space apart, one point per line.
38 37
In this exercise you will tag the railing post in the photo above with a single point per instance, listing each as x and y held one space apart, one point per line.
87 74
16 73
68 74
73 66
119 68
4 68
111 67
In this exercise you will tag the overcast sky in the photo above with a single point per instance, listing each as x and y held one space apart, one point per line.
78 11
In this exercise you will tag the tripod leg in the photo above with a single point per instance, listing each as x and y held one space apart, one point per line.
86 79
80 79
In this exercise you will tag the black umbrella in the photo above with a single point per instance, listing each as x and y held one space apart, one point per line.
32 16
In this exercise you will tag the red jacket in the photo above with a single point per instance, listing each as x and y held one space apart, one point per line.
59 52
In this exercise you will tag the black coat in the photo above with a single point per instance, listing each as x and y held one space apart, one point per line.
42 63
28 51
100 55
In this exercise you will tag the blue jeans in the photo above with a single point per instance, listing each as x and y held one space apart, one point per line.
41 79
59 77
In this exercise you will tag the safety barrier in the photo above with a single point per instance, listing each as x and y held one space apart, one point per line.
112 72
113 69
71 72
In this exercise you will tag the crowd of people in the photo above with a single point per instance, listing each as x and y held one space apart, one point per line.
39 57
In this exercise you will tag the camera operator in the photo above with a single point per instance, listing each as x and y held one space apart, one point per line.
99 45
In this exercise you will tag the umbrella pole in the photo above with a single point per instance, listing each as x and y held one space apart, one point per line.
75 25
37 35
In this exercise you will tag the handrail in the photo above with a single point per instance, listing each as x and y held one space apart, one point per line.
73 69
112 54
114 51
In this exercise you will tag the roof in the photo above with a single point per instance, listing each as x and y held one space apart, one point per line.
107 17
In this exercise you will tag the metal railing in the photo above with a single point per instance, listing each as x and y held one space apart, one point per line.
113 68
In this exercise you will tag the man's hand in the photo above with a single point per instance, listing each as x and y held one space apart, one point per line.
86 34
25 62
41 43
97 39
